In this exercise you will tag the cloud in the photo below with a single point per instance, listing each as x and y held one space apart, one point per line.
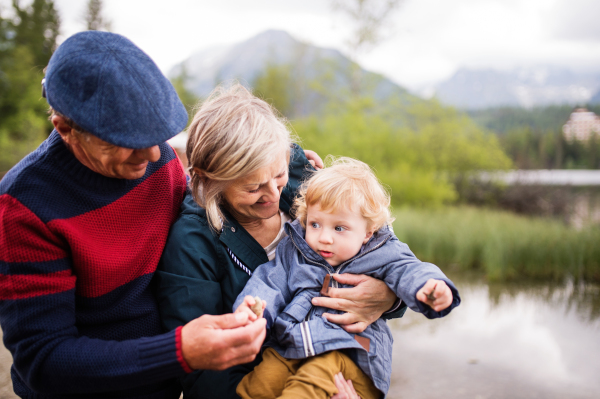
576 20
430 39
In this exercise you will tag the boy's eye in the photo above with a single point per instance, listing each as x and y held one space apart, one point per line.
339 228
314 225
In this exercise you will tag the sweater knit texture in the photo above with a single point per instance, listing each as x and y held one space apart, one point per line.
78 251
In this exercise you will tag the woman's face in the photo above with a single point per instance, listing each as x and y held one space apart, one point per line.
256 196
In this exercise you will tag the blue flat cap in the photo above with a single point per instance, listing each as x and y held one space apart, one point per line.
112 89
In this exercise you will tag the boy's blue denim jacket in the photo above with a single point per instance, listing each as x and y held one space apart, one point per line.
295 276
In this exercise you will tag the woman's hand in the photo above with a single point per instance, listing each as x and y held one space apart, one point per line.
345 388
314 159
363 304
436 294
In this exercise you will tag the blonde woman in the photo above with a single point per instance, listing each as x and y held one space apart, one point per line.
245 171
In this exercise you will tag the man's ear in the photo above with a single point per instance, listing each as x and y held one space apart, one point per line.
368 236
61 126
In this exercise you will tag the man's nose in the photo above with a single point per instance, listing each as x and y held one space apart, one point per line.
151 154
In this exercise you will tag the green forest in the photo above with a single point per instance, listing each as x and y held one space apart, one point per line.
27 40
533 138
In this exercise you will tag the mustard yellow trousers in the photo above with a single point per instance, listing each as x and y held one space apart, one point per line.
277 377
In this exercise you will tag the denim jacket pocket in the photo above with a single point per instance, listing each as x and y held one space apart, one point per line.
297 310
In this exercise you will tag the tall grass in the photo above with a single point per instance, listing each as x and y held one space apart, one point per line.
503 245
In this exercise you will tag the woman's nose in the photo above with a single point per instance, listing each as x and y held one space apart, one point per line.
272 194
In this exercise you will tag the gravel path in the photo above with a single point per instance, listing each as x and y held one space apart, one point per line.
6 389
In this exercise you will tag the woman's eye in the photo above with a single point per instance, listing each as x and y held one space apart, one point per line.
339 228
253 191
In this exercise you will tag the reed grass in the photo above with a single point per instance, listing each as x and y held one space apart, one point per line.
503 245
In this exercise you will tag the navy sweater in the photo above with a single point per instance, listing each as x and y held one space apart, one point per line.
77 253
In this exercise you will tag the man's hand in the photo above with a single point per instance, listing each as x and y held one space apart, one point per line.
363 304
436 294
218 342
314 159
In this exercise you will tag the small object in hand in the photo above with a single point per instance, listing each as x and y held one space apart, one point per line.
430 295
257 307
325 287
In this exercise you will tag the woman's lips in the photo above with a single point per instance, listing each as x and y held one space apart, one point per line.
265 204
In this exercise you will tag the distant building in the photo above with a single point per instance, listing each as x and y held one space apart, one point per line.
581 125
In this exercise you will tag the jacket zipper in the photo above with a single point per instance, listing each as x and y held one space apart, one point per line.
309 349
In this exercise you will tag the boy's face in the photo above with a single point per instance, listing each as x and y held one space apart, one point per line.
336 236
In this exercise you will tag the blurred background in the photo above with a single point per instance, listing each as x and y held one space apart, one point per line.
481 116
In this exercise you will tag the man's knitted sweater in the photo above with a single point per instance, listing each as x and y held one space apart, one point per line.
77 253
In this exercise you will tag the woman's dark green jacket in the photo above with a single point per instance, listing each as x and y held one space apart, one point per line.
202 272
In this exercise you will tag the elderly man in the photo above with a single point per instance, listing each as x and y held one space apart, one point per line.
83 222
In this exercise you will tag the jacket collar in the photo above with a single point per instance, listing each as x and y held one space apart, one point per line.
241 243
297 232
233 235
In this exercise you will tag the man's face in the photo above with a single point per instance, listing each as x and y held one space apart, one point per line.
336 236
107 159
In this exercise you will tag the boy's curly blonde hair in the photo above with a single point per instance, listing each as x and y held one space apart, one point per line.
346 184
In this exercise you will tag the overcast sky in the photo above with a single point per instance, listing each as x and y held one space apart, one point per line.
427 40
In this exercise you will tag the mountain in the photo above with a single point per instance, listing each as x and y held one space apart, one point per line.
522 87
316 73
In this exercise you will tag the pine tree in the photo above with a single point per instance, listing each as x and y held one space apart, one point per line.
94 19
368 19
37 27
27 40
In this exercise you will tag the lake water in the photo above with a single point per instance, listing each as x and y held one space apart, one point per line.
503 341
546 177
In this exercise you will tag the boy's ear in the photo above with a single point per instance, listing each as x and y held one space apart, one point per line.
368 236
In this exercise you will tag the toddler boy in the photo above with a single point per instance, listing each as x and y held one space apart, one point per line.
342 226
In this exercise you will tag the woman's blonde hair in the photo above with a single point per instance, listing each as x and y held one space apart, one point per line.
232 135
346 184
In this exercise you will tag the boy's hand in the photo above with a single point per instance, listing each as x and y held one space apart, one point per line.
246 307
436 294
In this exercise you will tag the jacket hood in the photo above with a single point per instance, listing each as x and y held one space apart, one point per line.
297 232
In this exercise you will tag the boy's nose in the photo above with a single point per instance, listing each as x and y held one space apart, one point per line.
325 238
